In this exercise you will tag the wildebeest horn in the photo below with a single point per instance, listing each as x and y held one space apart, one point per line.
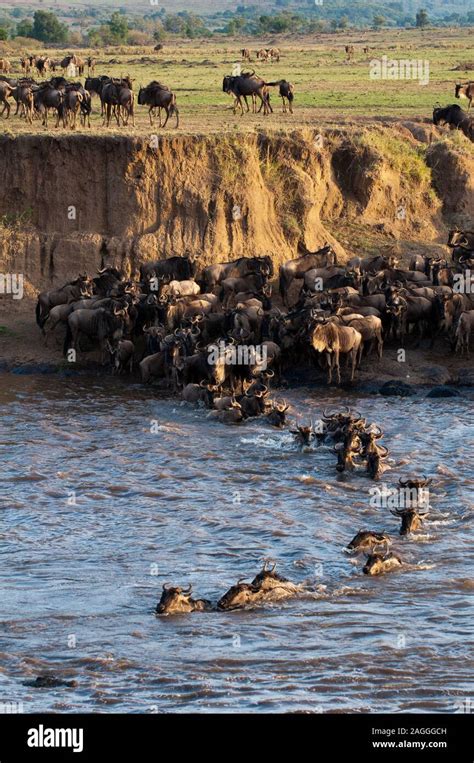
188 590
166 586
383 455
267 562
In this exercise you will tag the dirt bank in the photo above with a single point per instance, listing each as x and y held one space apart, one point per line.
74 203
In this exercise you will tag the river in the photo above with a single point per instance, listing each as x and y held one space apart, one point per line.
108 491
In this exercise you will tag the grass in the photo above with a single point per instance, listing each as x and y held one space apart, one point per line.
17 220
401 155
5 331
327 87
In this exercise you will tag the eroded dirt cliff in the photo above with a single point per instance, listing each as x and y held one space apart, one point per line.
74 203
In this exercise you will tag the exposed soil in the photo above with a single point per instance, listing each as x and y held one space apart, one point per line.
76 203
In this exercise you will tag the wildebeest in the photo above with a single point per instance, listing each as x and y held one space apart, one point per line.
5 65
465 90
100 325
377 563
287 94
42 65
94 86
367 540
70 292
122 355
247 84
158 96
412 518
464 330
245 53
176 600
23 95
6 91
71 104
298 267
456 118
48 97
244 266
332 340
267 586
117 97
171 268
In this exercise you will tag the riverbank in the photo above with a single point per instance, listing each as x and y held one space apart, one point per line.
23 351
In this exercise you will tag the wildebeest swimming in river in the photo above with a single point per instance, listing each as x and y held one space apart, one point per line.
177 600
267 586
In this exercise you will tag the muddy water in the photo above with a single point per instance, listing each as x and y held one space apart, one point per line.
97 512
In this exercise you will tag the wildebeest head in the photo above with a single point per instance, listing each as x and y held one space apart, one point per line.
277 416
303 434
412 519
377 564
227 83
366 539
238 596
267 578
375 460
415 482
175 599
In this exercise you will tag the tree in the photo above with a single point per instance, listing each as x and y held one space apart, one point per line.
3 33
422 19
48 28
25 28
378 21
343 22
118 27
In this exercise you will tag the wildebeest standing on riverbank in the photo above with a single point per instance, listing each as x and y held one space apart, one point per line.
158 96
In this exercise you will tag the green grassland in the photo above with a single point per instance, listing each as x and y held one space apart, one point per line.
328 87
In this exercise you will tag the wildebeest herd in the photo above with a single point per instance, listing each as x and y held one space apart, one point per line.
171 316
68 98
269 587
217 338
